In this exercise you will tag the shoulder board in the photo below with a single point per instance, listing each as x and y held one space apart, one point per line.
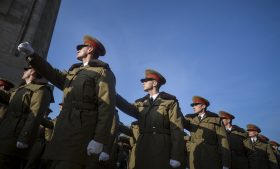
239 129
75 66
211 114
34 87
191 115
98 63
167 96
142 99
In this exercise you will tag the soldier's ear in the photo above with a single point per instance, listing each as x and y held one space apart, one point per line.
155 83
90 49
203 106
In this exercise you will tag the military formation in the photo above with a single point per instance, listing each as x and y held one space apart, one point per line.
88 134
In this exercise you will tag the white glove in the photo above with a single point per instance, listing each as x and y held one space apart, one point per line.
103 156
94 147
224 167
21 145
25 48
174 163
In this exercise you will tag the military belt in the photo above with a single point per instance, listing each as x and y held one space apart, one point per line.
80 105
154 131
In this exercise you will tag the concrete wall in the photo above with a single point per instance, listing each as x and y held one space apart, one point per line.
24 20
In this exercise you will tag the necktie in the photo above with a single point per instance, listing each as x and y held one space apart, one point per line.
199 118
151 100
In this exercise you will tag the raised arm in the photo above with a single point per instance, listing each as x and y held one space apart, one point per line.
126 107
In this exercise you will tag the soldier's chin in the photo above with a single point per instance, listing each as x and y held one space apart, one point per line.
79 58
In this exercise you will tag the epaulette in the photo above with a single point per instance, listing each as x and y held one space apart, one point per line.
37 86
211 114
92 63
190 115
167 96
239 129
75 66
142 99
98 63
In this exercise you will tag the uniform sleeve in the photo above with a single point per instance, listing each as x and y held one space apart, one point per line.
223 144
126 107
53 75
272 158
125 130
39 104
176 133
106 106
113 135
47 123
186 123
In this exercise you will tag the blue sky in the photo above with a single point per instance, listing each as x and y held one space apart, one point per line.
226 51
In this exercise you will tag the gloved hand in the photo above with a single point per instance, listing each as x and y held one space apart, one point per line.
21 145
25 48
174 163
103 156
224 167
94 147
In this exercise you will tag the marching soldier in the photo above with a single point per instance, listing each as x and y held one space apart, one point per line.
84 124
263 156
25 110
160 143
4 85
35 153
275 148
208 146
240 146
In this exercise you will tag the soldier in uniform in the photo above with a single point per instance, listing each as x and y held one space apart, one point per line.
25 110
4 85
208 146
240 146
84 124
263 156
35 153
160 143
275 148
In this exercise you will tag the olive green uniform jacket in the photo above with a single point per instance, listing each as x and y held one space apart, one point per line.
161 130
88 107
27 105
263 156
241 148
208 146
